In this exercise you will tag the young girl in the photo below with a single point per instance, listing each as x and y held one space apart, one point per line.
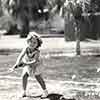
30 58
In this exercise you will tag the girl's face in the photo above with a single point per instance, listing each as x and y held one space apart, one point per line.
32 43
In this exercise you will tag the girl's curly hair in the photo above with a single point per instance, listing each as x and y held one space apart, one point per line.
39 41
32 35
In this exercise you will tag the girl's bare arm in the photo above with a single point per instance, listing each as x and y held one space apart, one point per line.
19 59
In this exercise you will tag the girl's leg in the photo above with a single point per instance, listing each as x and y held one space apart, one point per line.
42 84
24 83
41 81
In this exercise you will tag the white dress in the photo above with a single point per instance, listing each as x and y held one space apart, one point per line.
33 68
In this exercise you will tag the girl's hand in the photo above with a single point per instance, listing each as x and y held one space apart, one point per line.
30 62
13 68
27 63
98 69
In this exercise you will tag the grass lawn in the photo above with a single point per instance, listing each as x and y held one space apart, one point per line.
74 76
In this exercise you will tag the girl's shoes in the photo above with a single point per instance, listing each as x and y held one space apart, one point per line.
24 94
45 94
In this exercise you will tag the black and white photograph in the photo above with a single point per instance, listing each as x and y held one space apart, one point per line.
49 49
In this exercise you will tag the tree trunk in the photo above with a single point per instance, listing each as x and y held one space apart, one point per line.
78 52
77 36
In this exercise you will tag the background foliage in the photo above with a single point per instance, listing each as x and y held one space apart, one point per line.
31 9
